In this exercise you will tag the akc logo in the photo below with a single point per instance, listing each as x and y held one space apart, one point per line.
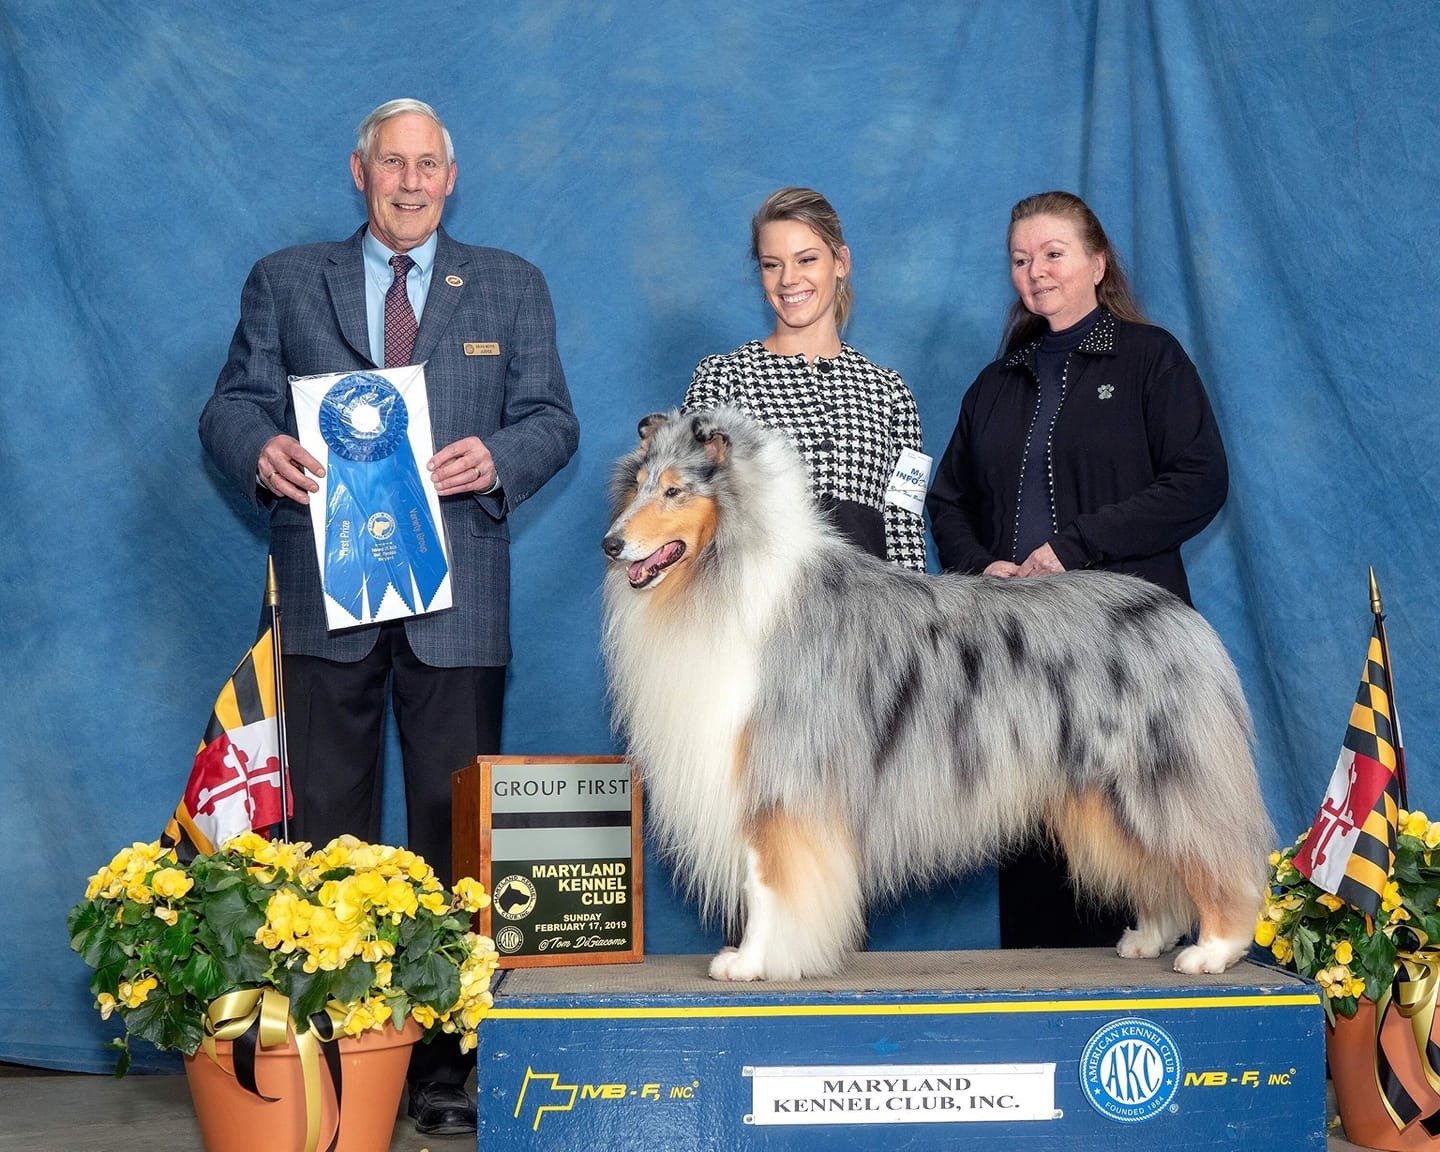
1130 1070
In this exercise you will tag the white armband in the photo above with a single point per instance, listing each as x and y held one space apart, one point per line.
910 481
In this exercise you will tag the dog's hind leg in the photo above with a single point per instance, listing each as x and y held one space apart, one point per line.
802 900
1228 905
1110 863
1163 913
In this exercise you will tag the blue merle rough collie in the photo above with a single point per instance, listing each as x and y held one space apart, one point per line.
817 728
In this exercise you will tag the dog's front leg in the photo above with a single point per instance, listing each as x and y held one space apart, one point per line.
748 961
802 901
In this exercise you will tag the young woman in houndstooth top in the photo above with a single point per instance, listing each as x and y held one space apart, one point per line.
849 418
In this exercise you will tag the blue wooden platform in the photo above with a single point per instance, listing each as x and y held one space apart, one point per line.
1063 1049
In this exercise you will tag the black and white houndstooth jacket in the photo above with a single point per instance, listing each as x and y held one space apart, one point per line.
848 418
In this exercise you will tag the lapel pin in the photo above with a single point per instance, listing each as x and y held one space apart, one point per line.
453 280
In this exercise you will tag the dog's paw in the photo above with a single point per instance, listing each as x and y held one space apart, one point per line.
731 964
1145 942
1211 956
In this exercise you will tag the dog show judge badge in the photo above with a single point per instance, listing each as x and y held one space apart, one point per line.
376 517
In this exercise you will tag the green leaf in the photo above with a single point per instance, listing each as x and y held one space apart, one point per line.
353 981
417 936
132 913
203 977
429 979
173 946
108 976
104 951
308 992
122 1062
166 1021
1305 941
232 919
83 919
1407 868
1375 961
250 966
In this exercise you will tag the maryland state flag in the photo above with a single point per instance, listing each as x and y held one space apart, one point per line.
1351 846
235 783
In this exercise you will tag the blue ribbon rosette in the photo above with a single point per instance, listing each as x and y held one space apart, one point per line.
378 528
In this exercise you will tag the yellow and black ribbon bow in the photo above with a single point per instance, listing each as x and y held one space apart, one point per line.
261 1017
1412 995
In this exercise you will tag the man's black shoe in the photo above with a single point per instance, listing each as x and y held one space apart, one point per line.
441 1109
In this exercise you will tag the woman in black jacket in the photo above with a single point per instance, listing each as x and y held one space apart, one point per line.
1090 443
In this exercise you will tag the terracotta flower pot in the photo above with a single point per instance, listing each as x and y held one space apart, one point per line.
372 1078
1350 1045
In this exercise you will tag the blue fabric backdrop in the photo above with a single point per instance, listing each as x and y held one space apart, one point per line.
1268 170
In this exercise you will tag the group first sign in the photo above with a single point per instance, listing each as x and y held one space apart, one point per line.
557 843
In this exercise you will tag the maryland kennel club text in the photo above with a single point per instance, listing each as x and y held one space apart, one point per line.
890 1095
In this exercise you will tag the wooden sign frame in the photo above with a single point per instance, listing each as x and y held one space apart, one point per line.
612 890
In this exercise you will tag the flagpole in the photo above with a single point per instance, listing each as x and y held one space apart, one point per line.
272 606
1377 606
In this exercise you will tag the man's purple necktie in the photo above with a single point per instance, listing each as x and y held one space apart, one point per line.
400 326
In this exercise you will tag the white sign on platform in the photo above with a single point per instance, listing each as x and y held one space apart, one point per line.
901 1093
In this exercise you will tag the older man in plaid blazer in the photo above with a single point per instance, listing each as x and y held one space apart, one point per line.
499 407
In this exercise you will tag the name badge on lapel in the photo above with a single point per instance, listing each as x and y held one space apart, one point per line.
481 348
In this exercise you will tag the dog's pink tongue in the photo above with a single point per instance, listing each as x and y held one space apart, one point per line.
657 559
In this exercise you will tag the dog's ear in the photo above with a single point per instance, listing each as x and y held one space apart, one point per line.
717 443
649 423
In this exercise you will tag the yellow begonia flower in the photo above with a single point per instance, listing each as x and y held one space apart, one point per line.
1344 952
286 918
1265 933
171 883
471 894
1415 824
98 883
169 915
106 1003
347 900
1355 987
1334 903
435 902
400 897
1282 950
134 993
1432 835
139 892
424 1015
376 951
359 1019
1390 898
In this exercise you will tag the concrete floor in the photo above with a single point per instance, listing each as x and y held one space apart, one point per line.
47 1112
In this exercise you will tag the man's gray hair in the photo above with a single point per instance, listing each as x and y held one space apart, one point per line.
365 135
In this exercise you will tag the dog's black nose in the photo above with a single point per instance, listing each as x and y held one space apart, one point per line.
613 546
